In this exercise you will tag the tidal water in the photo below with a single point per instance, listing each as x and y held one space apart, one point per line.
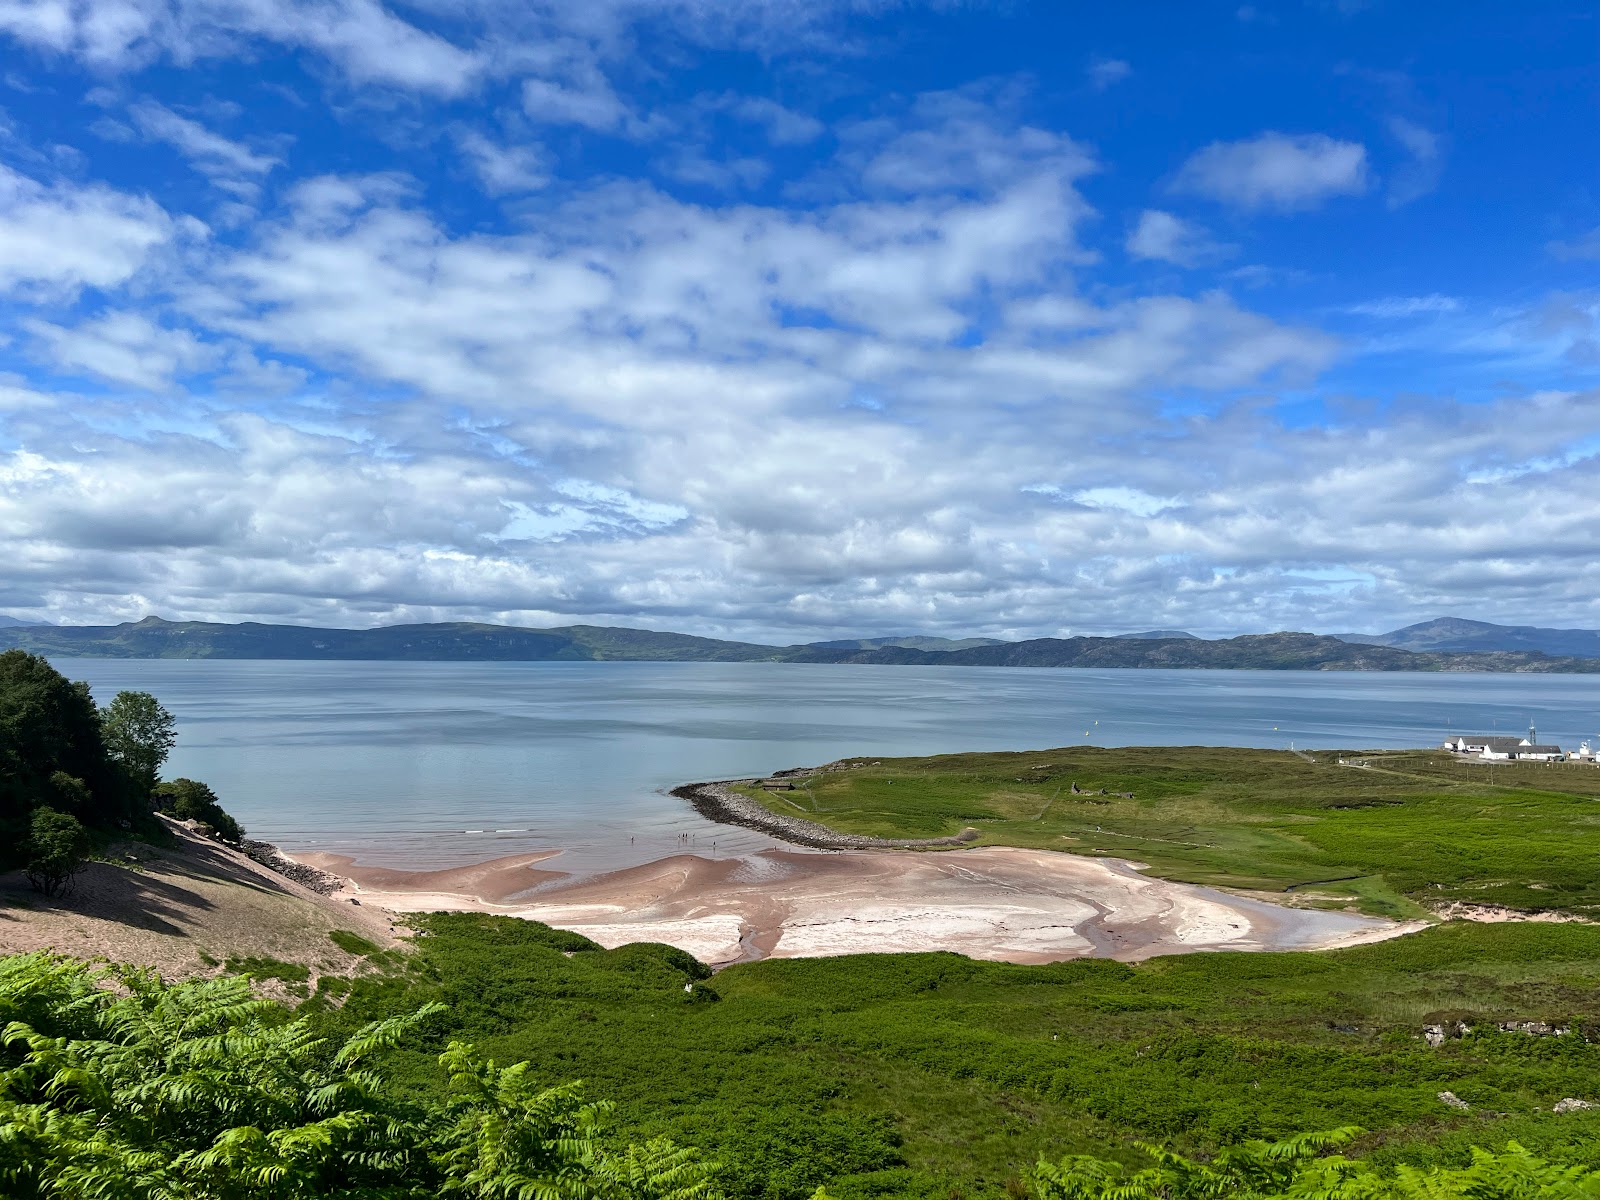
436 764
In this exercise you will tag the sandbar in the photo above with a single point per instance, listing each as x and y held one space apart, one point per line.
992 902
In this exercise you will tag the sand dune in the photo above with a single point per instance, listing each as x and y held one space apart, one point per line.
993 902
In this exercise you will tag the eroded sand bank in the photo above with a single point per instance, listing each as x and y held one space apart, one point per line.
1014 905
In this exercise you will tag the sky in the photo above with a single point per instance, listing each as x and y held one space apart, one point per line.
791 320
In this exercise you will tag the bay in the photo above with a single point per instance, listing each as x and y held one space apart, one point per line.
438 764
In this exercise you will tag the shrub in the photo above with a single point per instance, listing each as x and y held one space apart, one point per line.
57 848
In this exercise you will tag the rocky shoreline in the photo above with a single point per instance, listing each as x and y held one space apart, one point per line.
717 801
269 856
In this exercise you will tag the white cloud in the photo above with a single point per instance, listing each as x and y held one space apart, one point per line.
229 164
122 348
1420 174
1105 72
1406 306
784 126
1167 238
62 238
370 44
589 101
504 168
1123 499
1584 247
1276 171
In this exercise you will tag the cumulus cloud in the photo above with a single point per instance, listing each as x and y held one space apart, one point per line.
503 168
62 238
1276 171
1167 238
892 393
122 348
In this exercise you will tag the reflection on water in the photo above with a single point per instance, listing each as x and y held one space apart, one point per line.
396 762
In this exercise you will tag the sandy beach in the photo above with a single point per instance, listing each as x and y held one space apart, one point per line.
992 902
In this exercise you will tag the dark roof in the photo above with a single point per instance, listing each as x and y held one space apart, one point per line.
1492 741
1538 749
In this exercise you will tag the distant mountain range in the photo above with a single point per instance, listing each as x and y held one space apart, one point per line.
467 641
1458 635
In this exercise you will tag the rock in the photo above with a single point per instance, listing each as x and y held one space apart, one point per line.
1437 1035
1454 1101
1535 1028
269 856
1572 1105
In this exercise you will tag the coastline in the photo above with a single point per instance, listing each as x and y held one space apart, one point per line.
827 893
716 801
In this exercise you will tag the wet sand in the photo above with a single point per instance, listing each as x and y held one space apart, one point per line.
993 902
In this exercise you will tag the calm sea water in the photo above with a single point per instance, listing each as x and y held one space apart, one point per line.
431 764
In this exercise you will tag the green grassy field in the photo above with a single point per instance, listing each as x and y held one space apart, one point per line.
1412 829
938 1076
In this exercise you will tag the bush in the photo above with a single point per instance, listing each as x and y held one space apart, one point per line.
57 848
203 1091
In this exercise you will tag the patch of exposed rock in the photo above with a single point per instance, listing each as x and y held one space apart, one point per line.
269 856
1493 914
1437 1034
719 802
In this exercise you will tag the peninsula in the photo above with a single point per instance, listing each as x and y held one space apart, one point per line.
469 641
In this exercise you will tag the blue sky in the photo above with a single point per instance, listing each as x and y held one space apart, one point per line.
789 320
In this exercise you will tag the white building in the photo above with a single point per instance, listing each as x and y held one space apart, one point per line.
1498 748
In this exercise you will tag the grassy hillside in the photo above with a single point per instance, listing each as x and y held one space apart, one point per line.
1408 829
933 1075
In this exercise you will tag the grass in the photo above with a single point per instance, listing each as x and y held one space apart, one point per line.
931 1074
353 943
268 968
1410 829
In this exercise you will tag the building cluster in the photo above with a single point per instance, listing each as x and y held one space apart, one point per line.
1497 748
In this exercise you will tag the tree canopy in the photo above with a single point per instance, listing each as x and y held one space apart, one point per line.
139 734
51 749
92 768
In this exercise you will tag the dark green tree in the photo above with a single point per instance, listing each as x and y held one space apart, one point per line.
48 726
56 849
139 734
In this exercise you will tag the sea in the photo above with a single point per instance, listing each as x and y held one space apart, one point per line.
434 764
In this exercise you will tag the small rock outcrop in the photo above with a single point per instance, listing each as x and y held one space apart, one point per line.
270 857
1454 1101
1571 1104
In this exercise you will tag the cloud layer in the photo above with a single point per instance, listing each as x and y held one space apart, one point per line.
787 371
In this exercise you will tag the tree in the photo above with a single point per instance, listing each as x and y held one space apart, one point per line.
191 800
48 724
56 850
139 734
